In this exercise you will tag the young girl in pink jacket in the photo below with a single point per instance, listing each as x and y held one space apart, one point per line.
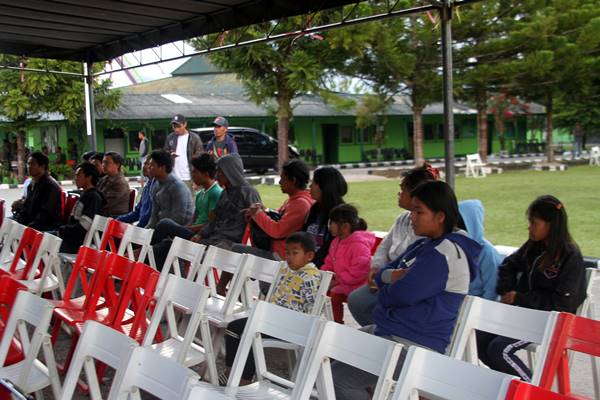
349 255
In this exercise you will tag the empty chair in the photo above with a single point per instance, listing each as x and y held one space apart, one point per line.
589 309
183 254
433 375
98 342
570 333
526 324
136 236
9 288
31 374
154 374
475 167
350 348
519 390
192 296
5 229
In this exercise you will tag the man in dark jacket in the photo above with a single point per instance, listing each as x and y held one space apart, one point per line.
89 204
41 207
222 143
183 146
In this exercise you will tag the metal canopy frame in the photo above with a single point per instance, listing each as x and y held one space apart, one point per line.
100 30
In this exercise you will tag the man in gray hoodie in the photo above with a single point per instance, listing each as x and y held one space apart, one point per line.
229 223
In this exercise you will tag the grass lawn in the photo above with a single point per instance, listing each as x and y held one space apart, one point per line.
504 196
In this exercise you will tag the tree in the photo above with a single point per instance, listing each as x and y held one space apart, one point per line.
25 96
276 72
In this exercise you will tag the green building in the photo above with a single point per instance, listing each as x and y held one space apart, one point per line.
321 132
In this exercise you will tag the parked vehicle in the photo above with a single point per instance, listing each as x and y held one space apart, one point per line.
257 149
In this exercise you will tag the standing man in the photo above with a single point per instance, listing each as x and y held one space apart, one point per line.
72 150
578 136
183 146
221 143
144 147
41 207
170 196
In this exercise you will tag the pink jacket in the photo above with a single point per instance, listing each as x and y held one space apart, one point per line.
293 213
350 259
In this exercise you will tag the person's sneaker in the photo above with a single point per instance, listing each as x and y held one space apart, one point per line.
223 379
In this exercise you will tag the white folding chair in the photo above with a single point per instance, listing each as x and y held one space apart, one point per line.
181 252
31 374
595 155
192 296
134 235
11 242
367 352
46 260
281 323
505 251
434 376
505 320
5 229
475 167
589 309
93 237
154 374
259 270
97 342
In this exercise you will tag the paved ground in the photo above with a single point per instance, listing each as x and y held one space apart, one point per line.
581 371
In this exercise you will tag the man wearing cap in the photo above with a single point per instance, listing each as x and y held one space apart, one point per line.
183 146
221 143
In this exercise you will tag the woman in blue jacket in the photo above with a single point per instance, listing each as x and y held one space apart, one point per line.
420 292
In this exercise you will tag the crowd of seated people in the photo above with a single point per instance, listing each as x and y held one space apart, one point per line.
409 290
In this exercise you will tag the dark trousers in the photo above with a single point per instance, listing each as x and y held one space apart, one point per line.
499 353
163 236
233 334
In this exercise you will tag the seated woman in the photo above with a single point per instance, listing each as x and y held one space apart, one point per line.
546 273
420 292
292 213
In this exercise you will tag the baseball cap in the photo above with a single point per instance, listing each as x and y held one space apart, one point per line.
178 119
221 121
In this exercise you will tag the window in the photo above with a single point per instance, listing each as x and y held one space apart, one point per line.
429 132
366 135
134 142
347 135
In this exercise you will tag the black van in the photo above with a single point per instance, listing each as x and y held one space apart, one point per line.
257 149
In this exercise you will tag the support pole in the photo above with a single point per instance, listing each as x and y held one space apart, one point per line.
90 119
446 14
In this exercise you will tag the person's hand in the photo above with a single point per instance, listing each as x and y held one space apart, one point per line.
196 238
371 277
398 274
17 205
173 154
254 209
508 297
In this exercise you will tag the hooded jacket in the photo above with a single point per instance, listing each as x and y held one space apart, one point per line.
293 212
87 206
558 287
229 222
230 146
350 260
423 305
484 284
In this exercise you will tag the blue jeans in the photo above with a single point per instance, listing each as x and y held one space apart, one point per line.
361 303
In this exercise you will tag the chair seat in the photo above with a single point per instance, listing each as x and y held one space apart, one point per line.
73 316
201 391
71 304
50 284
171 346
214 312
38 378
260 390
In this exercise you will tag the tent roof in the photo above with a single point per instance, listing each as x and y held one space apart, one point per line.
99 30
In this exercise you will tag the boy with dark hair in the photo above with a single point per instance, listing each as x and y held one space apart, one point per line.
171 198
89 204
296 288
41 207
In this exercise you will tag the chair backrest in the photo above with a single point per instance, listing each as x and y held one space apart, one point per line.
520 390
113 234
474 166
93 237
97 342
88 261
432 375
28 311
179 292
132 196
570 333
367 352
180 253
220 260
136 297
149 371
505 251
9 288
260 269
135 235
70 202
12 234
589 307
26 252
46 267
280 323
515 322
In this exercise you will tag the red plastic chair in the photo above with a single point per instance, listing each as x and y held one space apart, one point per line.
570 333
519 390
89 261
63 203
69 204
113 234
9 288
132 196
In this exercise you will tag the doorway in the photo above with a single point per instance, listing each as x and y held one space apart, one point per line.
330 143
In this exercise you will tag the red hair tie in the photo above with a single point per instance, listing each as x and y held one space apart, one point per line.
435 173
559 206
